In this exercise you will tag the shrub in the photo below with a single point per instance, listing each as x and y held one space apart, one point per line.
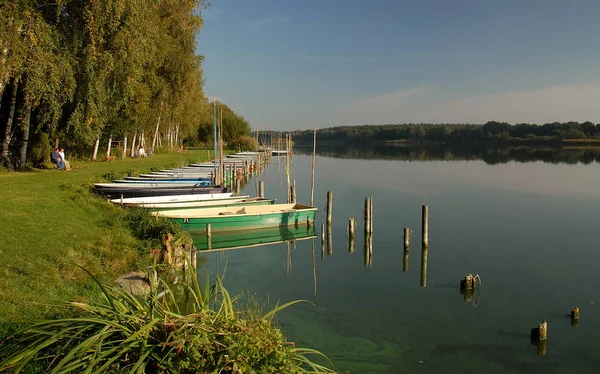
244 143
173 329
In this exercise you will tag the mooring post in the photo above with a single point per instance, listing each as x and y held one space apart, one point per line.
425 226
406 238
238 186
351 225
261 189
367 215
208 231
322 233
309 223
575 316
121 199
329 206
293 194
543 330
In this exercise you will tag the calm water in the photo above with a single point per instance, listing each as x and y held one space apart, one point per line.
529 229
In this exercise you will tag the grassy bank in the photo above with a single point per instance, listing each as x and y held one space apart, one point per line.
51 223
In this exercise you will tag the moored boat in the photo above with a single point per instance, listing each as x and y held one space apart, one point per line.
142 191
221 203
242 218
178 198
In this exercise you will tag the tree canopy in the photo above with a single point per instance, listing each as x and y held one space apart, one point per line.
79 71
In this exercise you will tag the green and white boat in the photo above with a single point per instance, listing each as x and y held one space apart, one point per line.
225 240
241 218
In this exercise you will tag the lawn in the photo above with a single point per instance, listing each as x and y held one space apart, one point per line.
51 223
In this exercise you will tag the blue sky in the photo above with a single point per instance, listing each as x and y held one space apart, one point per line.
291 64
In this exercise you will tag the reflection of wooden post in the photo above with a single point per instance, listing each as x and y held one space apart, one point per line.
424 267
314 268
261 189
405 260
351 224
541 348
208 232
323 233
425 226
293 194
329 206
406 238
329 241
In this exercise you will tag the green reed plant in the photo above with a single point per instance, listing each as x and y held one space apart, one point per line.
180 328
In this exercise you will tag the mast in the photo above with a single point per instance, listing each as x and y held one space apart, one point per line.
215 130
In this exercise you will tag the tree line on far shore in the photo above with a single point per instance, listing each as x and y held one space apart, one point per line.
83 72
447 133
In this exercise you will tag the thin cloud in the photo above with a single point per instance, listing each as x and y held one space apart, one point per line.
346 58
267 21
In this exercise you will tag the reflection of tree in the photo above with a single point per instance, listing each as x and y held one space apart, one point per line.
442 152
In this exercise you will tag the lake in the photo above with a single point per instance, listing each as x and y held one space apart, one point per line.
524 220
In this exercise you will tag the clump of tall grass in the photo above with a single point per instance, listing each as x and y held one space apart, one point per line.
181 328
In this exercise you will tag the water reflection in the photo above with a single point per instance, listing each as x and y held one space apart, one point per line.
490 154
424 252
251 238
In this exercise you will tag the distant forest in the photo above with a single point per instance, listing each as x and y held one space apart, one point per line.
555 132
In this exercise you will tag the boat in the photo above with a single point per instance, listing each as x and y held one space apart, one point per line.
218 203
162 179
276 152
247 239
178 198
169 181
244 218
149 185
142 191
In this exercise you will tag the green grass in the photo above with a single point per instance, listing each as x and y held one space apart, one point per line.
51 223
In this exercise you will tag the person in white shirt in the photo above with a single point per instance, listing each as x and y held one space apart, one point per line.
62 155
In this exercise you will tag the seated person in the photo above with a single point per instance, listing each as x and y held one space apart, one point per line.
64 159
141 152
56 159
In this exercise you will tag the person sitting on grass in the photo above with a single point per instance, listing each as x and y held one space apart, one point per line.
57 159
141 152
64 160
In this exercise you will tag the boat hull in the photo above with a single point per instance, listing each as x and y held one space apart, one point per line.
247 218
116 193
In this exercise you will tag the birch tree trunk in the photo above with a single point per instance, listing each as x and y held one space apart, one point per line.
25 138
177 135
124 154
108 148
9 122
132 155
95 155
157 125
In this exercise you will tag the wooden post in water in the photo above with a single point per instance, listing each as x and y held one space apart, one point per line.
405 260
543 330
293 194
329 241
329 206
406 238
368 216
261 189
575 316
312 184
238 186
425 226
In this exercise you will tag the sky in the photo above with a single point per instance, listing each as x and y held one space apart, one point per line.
299 64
